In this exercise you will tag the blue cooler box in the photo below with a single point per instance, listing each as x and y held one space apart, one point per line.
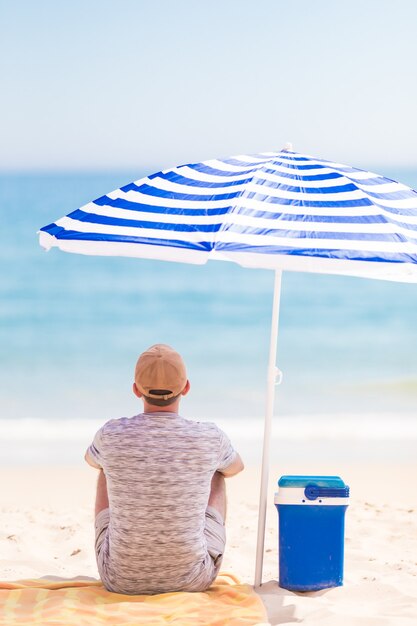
311 512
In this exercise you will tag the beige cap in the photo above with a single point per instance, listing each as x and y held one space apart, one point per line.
158 369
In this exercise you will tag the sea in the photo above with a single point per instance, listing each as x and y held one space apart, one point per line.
72 327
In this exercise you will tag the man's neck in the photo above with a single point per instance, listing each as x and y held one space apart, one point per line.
171 408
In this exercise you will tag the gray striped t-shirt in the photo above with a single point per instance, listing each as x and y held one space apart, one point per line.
158 468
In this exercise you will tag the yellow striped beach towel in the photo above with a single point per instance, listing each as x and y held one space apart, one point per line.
44 602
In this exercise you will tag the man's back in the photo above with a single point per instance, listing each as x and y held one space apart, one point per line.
158 468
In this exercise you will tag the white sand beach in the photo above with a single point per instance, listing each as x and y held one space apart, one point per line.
47 529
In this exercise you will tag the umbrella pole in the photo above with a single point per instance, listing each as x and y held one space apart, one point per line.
271 381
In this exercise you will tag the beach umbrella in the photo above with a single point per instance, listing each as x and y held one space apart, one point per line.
275 210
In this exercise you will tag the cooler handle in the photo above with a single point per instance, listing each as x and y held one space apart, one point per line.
312 492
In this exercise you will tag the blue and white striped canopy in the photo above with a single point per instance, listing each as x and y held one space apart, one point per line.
275 210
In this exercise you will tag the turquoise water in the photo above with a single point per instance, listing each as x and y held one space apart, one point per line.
72 326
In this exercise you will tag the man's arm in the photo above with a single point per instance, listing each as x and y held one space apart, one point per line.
234 468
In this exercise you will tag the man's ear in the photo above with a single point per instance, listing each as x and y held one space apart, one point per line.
186 388
136 391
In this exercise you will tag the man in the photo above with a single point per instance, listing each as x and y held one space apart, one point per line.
161 498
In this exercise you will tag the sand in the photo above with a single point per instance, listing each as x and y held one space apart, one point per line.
47 529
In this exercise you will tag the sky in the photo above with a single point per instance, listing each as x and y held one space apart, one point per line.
93 85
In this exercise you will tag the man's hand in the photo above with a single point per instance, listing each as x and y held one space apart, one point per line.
234 468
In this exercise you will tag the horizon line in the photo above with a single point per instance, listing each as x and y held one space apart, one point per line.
142 168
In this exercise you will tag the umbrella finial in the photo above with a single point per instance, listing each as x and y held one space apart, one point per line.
288 147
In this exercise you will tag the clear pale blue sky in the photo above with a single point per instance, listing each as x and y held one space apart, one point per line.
146 84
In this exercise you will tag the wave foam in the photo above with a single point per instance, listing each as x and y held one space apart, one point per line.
387 427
